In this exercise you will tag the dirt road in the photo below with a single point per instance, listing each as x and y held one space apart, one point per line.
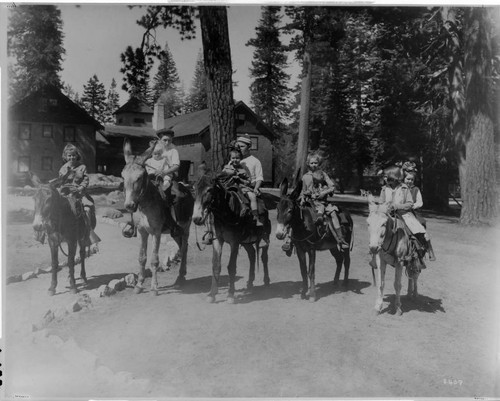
270 343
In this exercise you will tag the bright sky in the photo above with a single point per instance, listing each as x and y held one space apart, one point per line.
96 35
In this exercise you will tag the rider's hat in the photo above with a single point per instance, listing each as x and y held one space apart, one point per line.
245 139
165 131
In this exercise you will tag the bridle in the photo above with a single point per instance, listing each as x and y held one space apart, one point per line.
290 210
145 182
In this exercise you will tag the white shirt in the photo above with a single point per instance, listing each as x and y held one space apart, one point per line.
172 156
154 166
254 168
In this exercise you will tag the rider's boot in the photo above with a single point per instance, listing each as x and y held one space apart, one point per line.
339 237
257 219
432 256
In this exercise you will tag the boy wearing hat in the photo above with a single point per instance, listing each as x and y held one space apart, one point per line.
171 165
253 166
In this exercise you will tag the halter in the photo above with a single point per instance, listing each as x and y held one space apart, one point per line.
307 237
144 185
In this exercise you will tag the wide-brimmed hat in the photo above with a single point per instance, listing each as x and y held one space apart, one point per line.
244 139
165 131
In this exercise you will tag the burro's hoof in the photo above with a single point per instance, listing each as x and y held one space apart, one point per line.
138 289
210 299
154 292
399 312
312 299
73 290
51 292
230 300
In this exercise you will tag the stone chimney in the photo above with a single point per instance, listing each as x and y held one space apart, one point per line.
159 116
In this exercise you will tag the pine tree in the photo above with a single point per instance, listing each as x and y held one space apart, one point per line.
269 89
112 103
217 64
35 41
166 84
94 99
136 68
197 98
72 94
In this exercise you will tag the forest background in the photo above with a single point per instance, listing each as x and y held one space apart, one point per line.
377 85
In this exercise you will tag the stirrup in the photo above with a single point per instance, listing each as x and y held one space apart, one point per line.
207 238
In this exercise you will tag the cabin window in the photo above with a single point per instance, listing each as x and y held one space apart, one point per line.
25 131
255 143
47 163
23 164
69 134
139 120
47 131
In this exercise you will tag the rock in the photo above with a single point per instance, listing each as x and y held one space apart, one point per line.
14 279
105 291
74 307
131 280
44 321
111 213
38 271
28 275
83 301
117 285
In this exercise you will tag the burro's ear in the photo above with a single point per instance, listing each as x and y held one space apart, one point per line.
127 151
146 154
34 179
296 191
371 199
284 187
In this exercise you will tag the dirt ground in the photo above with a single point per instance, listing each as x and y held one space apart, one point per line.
270 343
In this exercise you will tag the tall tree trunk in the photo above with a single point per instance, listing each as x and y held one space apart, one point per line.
305 102
479 201
218 70
479 183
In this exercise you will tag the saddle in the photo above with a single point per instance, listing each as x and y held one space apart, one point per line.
418 244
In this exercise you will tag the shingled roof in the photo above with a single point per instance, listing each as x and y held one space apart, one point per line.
199 121
134 105
64 111
189 124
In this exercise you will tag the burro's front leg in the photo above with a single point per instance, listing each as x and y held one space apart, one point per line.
312 281
380 282
143 256
71 266
251 271
397 287
231 269
301 255
216 267
54 254
155 261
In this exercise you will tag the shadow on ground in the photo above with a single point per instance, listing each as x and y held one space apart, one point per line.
421 303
